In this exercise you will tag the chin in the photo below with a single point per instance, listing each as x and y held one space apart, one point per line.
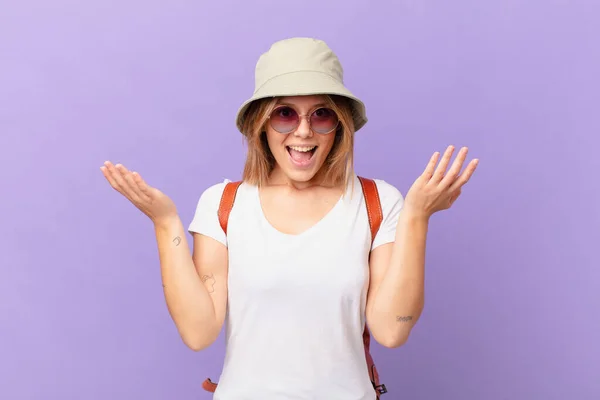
300 175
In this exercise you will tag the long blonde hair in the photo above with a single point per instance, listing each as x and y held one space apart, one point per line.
260 161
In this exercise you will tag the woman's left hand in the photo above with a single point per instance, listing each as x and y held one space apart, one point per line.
436 190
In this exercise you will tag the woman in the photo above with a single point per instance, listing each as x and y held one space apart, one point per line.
297 273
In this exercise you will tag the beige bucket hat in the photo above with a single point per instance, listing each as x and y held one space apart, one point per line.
301 66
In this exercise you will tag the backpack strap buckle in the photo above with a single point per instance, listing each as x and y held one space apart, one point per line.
381 389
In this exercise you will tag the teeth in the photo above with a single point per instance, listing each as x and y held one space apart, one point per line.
302 149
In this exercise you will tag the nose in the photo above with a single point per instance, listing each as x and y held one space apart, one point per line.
303 130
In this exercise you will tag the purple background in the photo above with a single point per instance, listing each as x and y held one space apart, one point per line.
512 274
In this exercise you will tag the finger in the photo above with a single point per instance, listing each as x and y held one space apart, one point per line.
455 169
109 177
466 175
118 173
138 196
141 184
441 168
115 179
142 189
428 173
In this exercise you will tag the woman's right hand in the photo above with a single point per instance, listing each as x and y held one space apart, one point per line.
149 200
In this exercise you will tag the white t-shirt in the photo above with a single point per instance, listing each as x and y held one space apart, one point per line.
296 303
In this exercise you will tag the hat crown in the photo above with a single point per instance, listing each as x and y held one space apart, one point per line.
296 55
300 66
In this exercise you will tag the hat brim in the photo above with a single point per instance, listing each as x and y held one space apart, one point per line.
304 83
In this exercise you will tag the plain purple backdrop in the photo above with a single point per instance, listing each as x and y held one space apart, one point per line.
513 290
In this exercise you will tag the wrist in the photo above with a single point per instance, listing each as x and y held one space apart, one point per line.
166 222
416 216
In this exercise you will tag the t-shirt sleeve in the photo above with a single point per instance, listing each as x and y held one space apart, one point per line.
206 218
391 204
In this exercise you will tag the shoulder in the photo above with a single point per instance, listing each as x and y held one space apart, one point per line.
390 198
211 196
215 191
391 202
387 191
206 219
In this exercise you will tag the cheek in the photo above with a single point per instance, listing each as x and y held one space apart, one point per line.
275 140
276 143
327 142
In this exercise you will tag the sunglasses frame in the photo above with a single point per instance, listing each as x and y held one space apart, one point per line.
306 116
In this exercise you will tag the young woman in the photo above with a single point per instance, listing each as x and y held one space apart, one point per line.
297 274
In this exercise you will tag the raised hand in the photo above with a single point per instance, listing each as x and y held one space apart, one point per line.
149 200
436 189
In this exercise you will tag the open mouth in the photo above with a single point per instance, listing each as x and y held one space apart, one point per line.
301 155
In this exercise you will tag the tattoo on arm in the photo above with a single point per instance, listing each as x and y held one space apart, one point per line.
177 240
210 279
401 318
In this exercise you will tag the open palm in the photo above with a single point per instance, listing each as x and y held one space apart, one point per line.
149 200
437 189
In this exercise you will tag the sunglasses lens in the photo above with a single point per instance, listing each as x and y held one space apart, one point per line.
323 120
284 119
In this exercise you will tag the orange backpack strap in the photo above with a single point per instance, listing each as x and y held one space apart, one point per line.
227 200
209 385
375 214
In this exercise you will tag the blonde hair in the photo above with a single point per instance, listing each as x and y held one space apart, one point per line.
260 161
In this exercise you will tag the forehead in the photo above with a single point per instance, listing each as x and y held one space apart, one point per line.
302 101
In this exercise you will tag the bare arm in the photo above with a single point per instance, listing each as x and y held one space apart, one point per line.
195 286
396 291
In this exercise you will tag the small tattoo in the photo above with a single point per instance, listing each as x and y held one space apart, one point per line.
177 240
403 319
211 281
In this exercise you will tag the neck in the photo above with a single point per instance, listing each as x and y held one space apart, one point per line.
279 178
